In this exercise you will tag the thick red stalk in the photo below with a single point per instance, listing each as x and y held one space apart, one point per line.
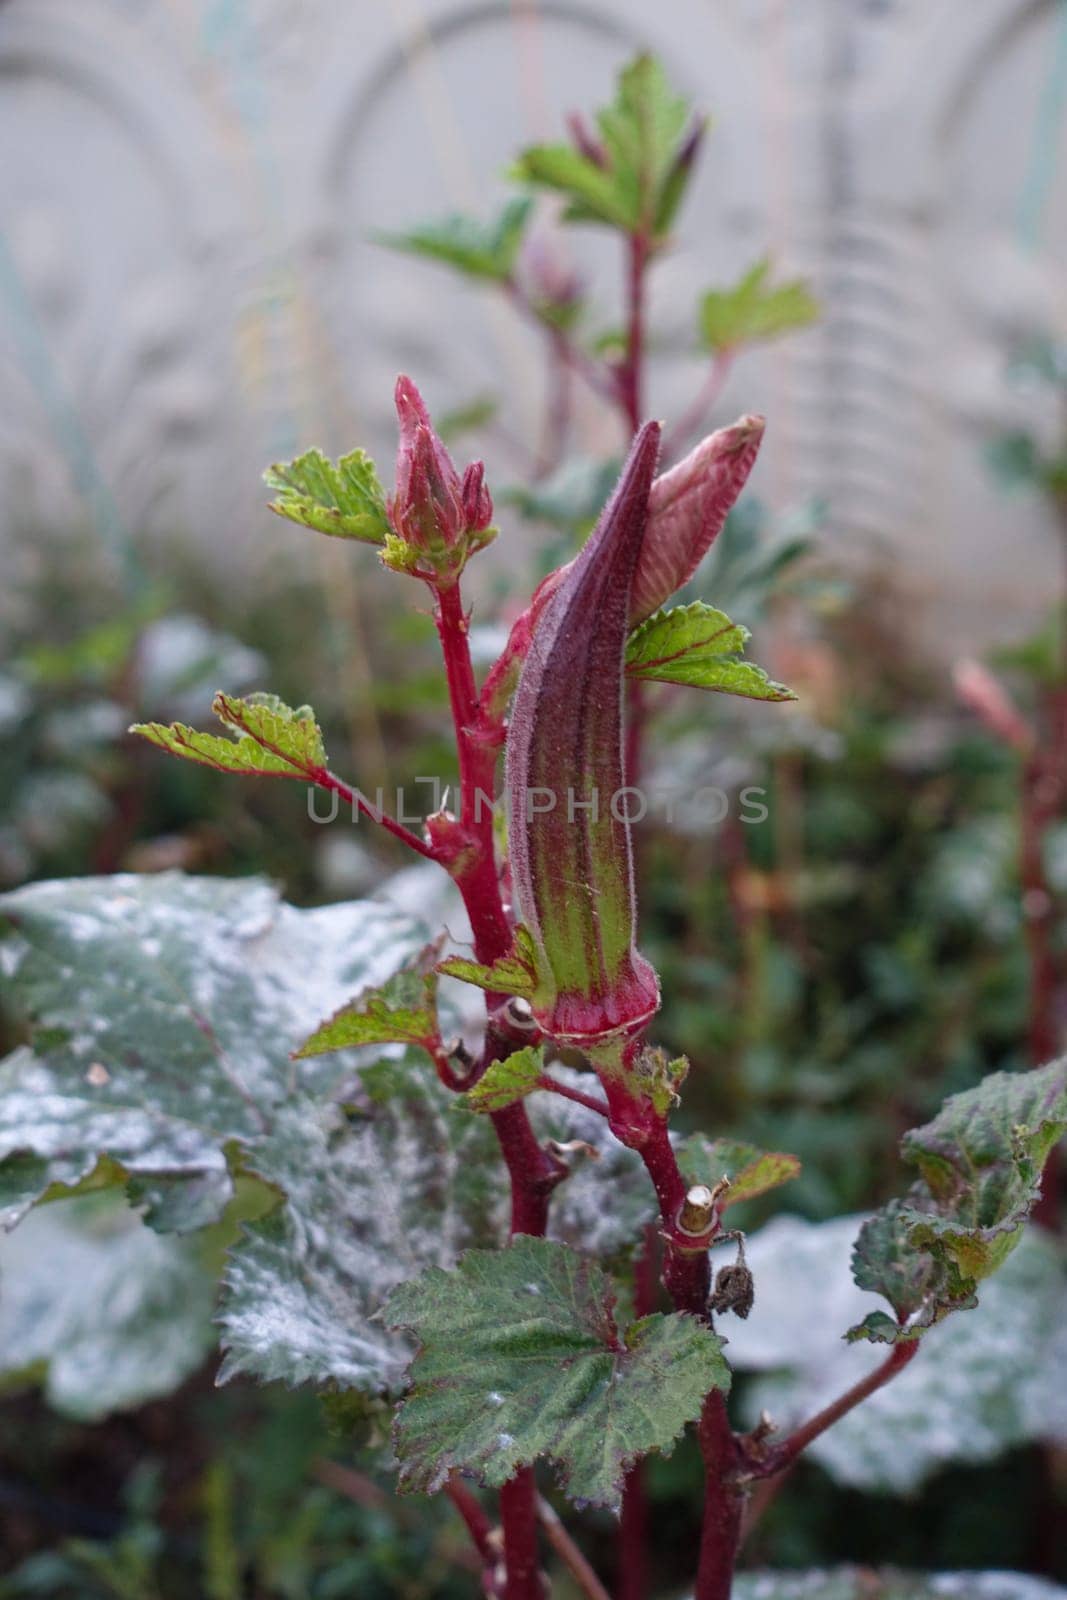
532 1171
724 1502
518 1513
634 1522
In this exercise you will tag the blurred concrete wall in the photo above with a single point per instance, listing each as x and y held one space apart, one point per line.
188 287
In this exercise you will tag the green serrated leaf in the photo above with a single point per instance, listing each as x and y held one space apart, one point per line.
520 1358
751 1171
980 1161
514 974
593 194
480 249
885 1260
698 646
754 310
273 739
172 1004
640 184
403 1010
507 1081
342 498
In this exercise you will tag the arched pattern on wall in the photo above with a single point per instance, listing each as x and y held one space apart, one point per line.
191 287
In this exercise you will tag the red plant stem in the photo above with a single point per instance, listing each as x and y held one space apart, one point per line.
564 1546
724 1502
485 1538
518 1513
553 1085
707 397
686 1269
633 1524
631 373
325 779
475 867
532 1171
783 1455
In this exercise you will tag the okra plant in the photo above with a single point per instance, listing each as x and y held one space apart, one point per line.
436 1209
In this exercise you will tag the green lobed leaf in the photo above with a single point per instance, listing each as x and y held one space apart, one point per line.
980 1161
514 974
593 194
272 739
885 1260
480 249
754 310
111 1313
751 1171
403 1010
507 1081
698 646
165 1009
642 133
342 498
520 1358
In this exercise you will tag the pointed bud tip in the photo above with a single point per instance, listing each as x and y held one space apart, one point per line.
409 401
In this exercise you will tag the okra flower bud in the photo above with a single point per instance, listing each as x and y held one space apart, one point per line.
569 832
437 517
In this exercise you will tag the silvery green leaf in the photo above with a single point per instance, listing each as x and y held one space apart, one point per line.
111 1313
852 1583
164 1011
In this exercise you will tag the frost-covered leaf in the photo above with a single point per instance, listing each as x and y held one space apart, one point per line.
342 498
164 1012
981 1383
755 309
110 1313
698 646
637 178
272 739
507 1081
403 1010
980 1161
520 1358
376 1190
861 1583
751 1171
480 249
